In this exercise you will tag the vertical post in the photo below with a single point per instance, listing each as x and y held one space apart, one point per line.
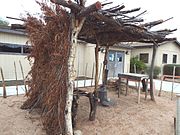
152 71
97 66
174 72
16 77
85 75
93 102
139 92
105 65
127 86
23 76
3 83
178 115
92 75
100 72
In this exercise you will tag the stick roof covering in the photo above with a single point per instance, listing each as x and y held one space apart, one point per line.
114 25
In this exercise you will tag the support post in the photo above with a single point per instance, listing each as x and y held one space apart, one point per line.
152 71
3 84
23 76
16 78
174 72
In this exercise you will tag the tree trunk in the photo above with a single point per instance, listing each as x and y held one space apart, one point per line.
93 98
76 27
152 72
104 75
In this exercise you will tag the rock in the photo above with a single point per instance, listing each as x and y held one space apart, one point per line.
78 132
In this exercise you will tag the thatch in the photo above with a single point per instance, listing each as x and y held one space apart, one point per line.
49 54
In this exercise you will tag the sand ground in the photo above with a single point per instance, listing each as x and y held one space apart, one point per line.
125 117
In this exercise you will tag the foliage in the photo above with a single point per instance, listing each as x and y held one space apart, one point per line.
4 22
168 69
49 73
156 72
140 65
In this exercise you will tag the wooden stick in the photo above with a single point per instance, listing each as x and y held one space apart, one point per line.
3 83
174 72
23 76
100 72
85 74
16 78
92 74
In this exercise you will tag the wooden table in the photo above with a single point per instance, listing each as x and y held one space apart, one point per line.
135 77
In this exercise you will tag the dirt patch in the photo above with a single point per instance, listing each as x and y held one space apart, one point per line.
15 121
125 117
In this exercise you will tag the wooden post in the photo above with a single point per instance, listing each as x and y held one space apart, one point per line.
94 96
105 65
92 75
174 72
162 77
16 77
23 76
3 83
99 72
85 74
76 26
97 66
152 71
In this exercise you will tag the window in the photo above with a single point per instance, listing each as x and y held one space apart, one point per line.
14 48
144 57
164 59
111 56
119 57
174 58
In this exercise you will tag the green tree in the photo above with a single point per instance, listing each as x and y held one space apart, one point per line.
4 22
138 64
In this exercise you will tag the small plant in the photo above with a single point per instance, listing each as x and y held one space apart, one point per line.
157 71
138 64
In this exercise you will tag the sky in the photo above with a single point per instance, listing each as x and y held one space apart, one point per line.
156 9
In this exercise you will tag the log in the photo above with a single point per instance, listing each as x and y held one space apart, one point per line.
152 71
93 106
92 8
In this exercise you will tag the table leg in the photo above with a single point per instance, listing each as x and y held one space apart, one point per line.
146 89
127 86
119 89
139 89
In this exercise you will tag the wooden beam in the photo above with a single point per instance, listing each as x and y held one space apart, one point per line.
86 11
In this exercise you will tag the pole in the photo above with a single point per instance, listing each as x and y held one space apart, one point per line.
16 78
178 114
23 76
92 75
174 72
3 83
85 74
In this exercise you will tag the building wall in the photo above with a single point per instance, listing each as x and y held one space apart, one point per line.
7 59
136 52
12 38
86 57
170 49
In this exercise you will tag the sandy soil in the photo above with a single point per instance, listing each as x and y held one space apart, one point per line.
125 117
14 121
